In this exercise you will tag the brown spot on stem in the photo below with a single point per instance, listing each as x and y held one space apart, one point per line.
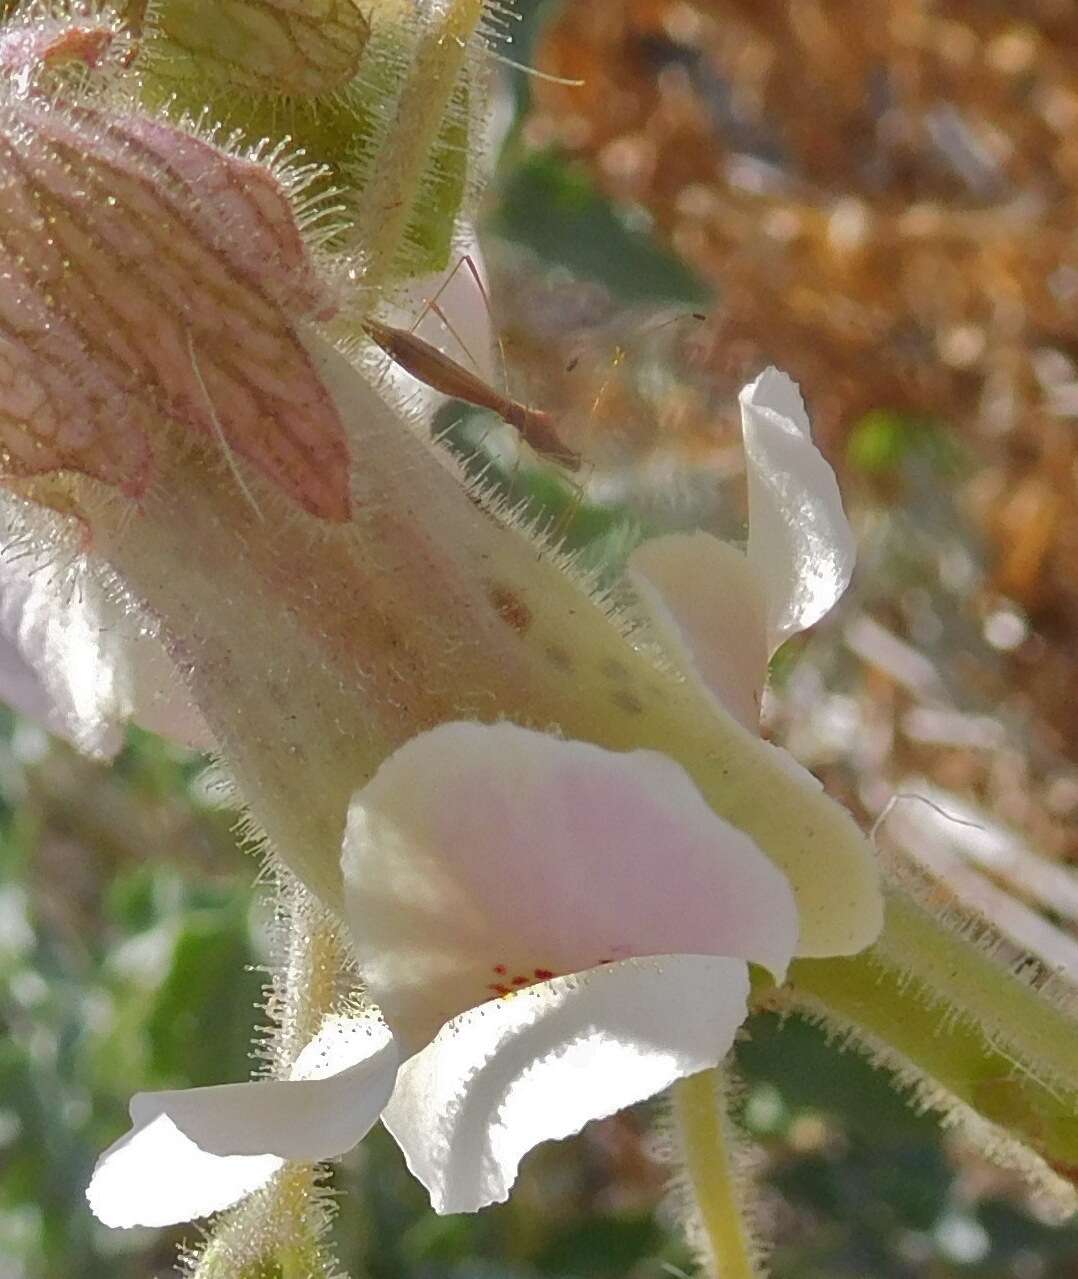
628 702
560 657
510 607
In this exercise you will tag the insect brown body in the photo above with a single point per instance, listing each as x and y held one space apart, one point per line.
438 371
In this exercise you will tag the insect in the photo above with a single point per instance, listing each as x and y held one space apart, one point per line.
438 371
87 45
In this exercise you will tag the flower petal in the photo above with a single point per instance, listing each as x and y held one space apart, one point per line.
704 600
195 1151
839 904
157 1176
24 692
800 543
94 666
541 1063
483 858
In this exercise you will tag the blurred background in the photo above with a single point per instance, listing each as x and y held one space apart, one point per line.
882 200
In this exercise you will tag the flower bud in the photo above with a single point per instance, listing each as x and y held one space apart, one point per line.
296 47
153 281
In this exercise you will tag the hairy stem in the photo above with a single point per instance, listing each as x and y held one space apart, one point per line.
930 999
279 1225
717 1221
284 1222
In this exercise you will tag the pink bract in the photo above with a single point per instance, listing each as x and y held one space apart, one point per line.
151 278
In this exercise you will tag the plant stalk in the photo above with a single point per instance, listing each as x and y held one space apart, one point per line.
717 1222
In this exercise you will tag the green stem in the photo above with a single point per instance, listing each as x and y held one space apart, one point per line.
277 1226
699 1107
932 997
283 1223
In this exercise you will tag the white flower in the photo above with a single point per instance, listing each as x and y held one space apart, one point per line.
552 931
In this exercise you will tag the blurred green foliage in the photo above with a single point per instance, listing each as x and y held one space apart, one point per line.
553 209
116 974
883 442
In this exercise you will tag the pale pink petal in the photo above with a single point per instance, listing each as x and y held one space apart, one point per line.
540 1064
82 665
193 1152
23 691
707 608
800 543
483 858
153 282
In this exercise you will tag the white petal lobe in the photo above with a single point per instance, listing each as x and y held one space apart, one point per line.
93 667
161 1177
799 540
542 1063
706 603
199 1150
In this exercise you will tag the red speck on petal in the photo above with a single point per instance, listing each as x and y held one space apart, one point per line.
499 989
520 981
543 974
500 969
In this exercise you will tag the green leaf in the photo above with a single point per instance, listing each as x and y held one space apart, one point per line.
200 1025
